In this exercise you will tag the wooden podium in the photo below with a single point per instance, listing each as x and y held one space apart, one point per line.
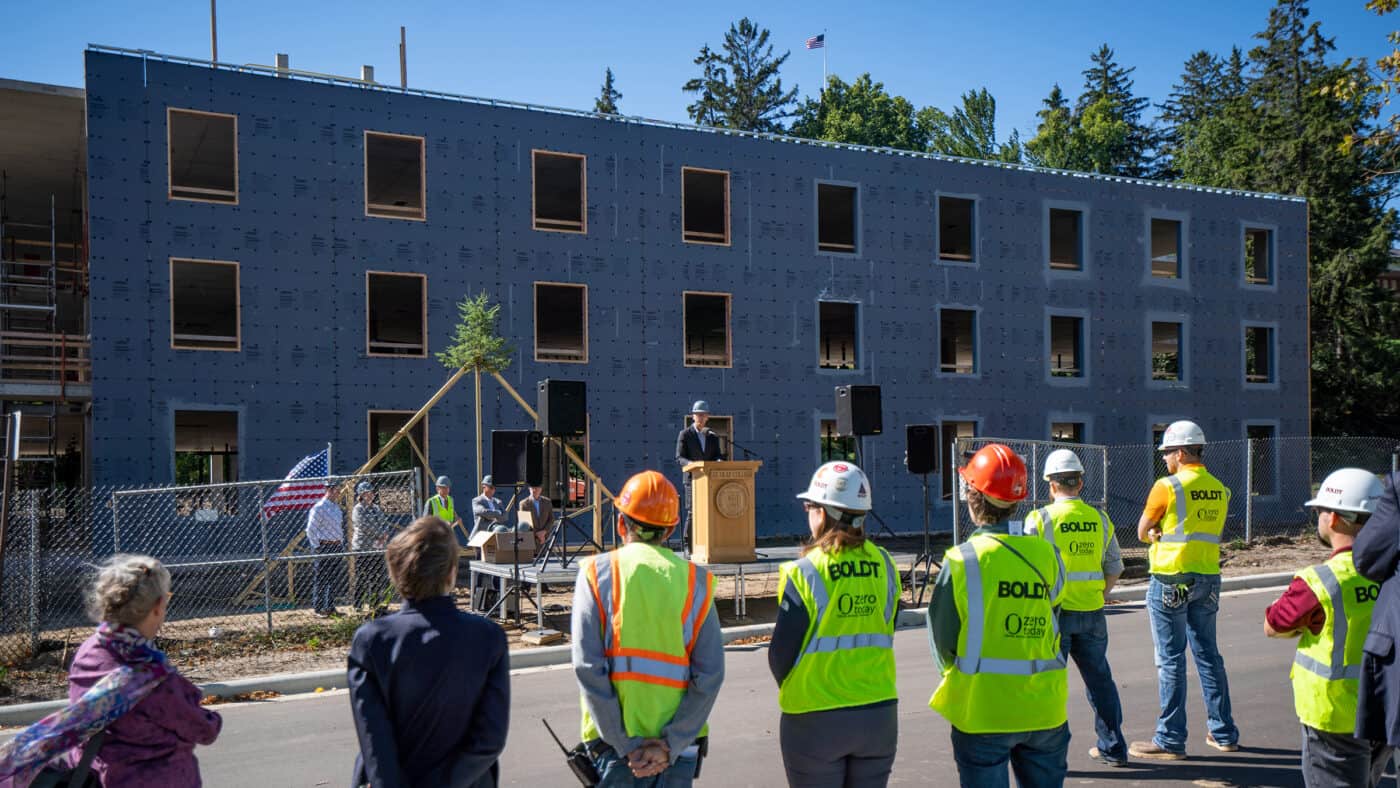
722 527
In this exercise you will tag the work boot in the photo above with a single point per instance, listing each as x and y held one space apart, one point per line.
1150 751
1222 747
1105 760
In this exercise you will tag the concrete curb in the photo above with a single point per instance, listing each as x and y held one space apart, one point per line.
298 683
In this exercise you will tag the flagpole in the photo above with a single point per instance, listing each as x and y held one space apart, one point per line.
329 472
823 61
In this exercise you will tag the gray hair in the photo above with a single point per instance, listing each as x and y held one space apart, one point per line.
127 588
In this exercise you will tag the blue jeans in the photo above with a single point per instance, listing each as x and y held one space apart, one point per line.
1084 637
1037 758
1182 610
613 772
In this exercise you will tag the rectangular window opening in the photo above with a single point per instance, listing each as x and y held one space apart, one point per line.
394 186
1258 354
203 156
561 322
1067 431
204 311
957 341
1258 256
1066 244
1166 248
1066 346
383 425
560 196
707 330
1263 447
956 237
206 447
396 314
705 201
837 334
1166 351
836 217
951 431
836 446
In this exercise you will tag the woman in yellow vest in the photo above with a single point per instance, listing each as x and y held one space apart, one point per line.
832 652
1328 607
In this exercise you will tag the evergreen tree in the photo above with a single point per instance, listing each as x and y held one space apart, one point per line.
1197 97
861 113
741 89
1106 80
1055 144
970 131
608 95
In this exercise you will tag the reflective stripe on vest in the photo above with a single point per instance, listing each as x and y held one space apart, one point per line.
1179 496
1338 669
636 664
1047 527
817 584
973 662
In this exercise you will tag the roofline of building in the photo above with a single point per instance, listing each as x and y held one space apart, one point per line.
330 79
41 87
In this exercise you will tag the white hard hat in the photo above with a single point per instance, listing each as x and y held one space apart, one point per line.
1062 461
1353 490
1182 433
839 485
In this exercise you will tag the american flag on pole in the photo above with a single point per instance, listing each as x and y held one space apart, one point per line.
292 494
817 42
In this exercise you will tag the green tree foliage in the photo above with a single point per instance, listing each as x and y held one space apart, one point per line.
1109 87
475 343
971 130
860 113
608 95
739 88
1382 85
1055 143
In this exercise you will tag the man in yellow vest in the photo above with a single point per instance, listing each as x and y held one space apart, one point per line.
441 505
647 649
1182 521
995 636
1328 607
1093 562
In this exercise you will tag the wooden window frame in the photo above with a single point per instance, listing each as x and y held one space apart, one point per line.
582 229
1270 258
423 300
535 312
237 305
976 371
707 239
844 250
972 259
390 211
728 329
170 163
857 338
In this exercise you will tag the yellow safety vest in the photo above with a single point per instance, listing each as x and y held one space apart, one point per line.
1327 668
1082 533
651 606
443 508
1191 525
1008 676
847 657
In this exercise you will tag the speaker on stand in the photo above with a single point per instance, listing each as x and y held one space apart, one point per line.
563 413
858 415
921 458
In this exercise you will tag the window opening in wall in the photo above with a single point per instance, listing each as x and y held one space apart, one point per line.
383 425
1166 248
1066 346
1258 256
206 446
396 314
957 341
204 305
1166 351
707 330
834 445
1067 431
836 218
837 334
955 232
561 322
705 201
1263 459
560 197
203 156
394 176
1258 354
1066 246
951 431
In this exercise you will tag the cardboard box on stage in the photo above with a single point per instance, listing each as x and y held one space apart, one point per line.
508 548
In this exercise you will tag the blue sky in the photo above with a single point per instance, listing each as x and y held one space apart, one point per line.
554 52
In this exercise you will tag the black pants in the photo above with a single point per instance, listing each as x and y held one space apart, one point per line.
325 577
1336 760
840 748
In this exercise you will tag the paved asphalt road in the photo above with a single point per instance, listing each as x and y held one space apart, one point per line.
311 741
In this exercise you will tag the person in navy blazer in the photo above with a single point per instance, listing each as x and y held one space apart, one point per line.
430 684
1377 557
695 443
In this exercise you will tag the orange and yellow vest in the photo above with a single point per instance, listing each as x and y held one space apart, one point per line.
1191 525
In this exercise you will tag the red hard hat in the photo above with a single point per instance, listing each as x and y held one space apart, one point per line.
997 472
651 499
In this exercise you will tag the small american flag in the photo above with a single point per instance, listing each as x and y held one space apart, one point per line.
293 495
816 42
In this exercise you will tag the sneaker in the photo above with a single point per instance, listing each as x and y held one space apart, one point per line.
320 614
1150 750
1105 760
1222 747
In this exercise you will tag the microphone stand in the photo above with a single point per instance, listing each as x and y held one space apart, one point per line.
748 455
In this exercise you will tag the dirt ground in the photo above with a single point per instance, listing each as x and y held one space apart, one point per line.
227 647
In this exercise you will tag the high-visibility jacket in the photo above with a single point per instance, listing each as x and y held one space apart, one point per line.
441 506
1191 525
1327 668
651 606
1008 675
847 656
1082 534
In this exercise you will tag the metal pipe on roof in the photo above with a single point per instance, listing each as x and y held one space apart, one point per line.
213 32
403 58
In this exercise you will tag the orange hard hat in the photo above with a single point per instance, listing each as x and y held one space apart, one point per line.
997 472
650 499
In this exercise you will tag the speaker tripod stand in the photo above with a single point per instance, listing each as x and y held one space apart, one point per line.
860 460
557 543
925 557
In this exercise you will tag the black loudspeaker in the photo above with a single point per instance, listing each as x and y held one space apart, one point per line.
858 410
563 407
921 448
517 457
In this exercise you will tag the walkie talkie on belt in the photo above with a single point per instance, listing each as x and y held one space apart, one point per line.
578 759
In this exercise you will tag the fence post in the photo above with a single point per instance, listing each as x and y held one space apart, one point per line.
1104 454
33 572
116 527
1035 463
952 471
1395 460
267 564
1249 489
